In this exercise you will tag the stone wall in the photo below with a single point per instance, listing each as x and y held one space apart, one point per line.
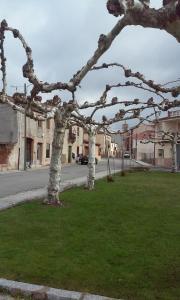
8 125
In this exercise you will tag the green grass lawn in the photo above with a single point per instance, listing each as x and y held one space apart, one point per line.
122 240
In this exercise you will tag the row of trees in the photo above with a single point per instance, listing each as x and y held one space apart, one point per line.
73 111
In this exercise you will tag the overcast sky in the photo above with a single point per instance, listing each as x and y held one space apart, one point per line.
63 35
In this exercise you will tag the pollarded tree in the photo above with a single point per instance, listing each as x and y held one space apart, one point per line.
138 12
63 112
166 18
127 109
163 138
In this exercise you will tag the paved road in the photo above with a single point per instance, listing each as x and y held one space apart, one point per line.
16 182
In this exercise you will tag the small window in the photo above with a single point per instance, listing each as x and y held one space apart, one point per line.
161 153
39 124
48 123
77 131
47 150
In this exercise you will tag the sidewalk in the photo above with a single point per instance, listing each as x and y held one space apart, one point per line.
37 194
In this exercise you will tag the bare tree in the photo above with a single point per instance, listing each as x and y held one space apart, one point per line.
162 138
138 12
166 18
128 109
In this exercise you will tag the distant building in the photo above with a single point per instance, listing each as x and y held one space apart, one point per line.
73 144
158 153
104 141
163 153
140 151
86 146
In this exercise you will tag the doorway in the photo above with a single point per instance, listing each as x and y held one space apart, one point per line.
39 153
29 144
69 154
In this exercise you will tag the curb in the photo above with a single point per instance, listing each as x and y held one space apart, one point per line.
40 292
143 164
13 200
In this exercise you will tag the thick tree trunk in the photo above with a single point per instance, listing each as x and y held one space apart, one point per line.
174 158
61 120
91 163
55 165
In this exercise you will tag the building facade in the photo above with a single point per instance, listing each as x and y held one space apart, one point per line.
26 142
163 151
104 142
159 151
140 150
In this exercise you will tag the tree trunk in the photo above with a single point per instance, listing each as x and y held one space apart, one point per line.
174 158
91 162
55 164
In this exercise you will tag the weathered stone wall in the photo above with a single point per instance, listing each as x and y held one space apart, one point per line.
8 125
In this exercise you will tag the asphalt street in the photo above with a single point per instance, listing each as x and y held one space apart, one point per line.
12 183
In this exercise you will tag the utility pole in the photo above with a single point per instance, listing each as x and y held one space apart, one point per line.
25 127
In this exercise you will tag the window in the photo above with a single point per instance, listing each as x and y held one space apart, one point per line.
77 131
39 124
47 150
161 153
48 123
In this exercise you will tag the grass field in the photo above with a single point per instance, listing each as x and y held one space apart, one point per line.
121 240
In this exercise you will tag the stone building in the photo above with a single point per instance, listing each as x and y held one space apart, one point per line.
104 142
141 151
86 146
159 152
38 136
163 152
73 144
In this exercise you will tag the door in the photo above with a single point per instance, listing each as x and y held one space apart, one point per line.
78 149
29 150
69 154
39 153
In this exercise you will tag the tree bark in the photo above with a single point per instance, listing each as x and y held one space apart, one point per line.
61 120
165 18
55 164
91 162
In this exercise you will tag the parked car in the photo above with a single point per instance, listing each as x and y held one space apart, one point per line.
126 155
83 160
